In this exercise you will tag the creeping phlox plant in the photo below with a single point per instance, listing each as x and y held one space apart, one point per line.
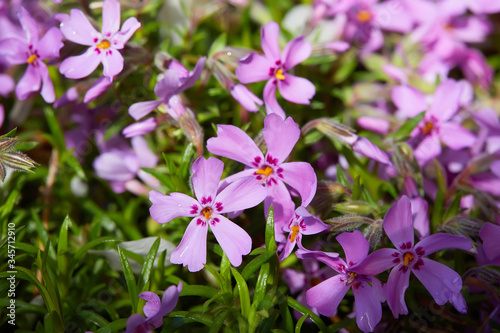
250 166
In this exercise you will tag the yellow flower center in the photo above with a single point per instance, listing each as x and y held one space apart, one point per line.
352 276
363 16
407 258
31 59
104 44
207 211
427 128
279 74
266 172
295 232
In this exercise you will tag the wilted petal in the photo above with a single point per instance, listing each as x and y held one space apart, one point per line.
78 29
409 100
253 68
241 194
367 306
141 109
233 143
280 136
395 289
269 39
234 241
192 251
112 63
355 246
301 176
206 177
80 66
456 136
296 51
440 280
441 241
167 207
327 295
110 18
30 82
296 89
50 44
376 262
398 223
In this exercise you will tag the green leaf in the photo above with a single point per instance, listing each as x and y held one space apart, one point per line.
62 242
55 129
404 131
218 322
218 44
164 179
298 327
437 211
186 160
304 310
116 326
341 177
261 286
129 278
148 264
255 264
52 323
244 294
356 188
269 236
454 208
199 317
83 250
196 290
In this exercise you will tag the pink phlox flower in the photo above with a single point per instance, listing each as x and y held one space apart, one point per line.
419 207
443 283
104 46
207 209
302 223
270 170
175 80
274 67
154 309
32 51
327 295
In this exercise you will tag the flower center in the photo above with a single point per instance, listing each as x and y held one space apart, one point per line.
265 172
352 276
207 212
429 125
31 59
363 16
407 258
104 44
295 232
279 74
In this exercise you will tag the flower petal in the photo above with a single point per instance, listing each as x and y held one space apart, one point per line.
128 28
14 51
396 286
490 235
246 98
370 150
78 29
455 136
408 100
29 25
241 194
235 241
440 241
446 100
279 197
296 51
140 128
30 82
254 68
167 207
100 86
7 84
147 159
47 91
440 280
50 44
301 176
116 165
429 148
141 109
355 246
376 262
112 62
398 223
206 177
78 67
296 89
269 39
295 280
327 295
233 143
110 18
192 251
280 136
152 305
272 105
135 323
312 224
168 302
367 306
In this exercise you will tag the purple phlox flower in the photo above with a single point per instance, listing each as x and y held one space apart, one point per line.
32 51
437 124
270 170
489 124
175 80
103 46
245 97
2 115
374 124
154 309
302 223
120 164
490 234
274 67
140 128
442 282
326 296
100 85
7 84
419 208
474 66
483 6
206 210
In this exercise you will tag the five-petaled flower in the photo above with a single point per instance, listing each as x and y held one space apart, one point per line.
442 282
104 46
274 67
206 210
